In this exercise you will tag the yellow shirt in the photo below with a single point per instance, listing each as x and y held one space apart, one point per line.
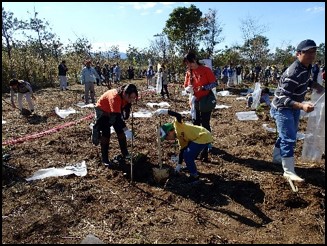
186 132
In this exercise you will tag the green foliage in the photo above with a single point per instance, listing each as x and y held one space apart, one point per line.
183 28
284 57
255 50
36 59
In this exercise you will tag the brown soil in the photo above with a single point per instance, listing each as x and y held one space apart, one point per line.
242 196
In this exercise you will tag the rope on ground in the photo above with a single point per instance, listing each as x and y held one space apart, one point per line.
41 134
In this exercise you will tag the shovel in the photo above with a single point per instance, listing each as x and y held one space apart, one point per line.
159 174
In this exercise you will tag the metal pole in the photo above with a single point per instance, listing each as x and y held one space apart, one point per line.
132 146
159 147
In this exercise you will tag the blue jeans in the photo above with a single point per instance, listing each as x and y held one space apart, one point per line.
287 121
190 153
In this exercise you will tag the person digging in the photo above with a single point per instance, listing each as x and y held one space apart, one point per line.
112 109
192 139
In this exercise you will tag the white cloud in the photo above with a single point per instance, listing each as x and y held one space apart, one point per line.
140 5
167 3
315 9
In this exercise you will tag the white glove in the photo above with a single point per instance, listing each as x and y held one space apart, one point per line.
174 159
160 111
128 134
178 168
190 89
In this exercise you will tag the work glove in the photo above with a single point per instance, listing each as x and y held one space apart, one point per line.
189 89
160 111
128 134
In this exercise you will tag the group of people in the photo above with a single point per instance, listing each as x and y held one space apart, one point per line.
194 139
114 107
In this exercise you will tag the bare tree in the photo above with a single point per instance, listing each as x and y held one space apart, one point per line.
160 46
251 28
255 47
211 32
114 50
9 26
43 43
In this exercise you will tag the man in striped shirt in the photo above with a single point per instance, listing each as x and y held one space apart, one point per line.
287 103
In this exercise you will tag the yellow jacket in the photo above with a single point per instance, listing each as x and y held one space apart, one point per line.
186 132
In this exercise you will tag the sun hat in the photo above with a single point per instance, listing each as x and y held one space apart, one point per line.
306 45
164 129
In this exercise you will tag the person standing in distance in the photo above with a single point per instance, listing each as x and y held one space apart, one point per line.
88 78
62 72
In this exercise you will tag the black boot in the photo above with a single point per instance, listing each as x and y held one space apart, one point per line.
95 135
104 151
123 144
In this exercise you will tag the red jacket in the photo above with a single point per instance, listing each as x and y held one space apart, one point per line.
200 77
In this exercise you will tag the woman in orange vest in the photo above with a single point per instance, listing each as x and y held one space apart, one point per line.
112 109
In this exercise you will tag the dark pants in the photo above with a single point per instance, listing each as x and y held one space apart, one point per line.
103 123
164 90
203 119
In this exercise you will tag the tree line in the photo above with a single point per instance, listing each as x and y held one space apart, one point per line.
187 29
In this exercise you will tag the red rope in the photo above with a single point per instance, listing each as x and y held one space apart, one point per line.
41 134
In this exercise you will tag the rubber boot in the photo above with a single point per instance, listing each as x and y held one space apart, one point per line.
123 144
104 151
277 159
288 166
95 135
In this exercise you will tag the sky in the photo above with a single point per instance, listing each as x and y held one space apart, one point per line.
106 24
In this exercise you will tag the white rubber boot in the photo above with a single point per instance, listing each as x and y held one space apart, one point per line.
277 159
288 166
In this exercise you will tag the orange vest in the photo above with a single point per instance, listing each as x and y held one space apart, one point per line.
111 102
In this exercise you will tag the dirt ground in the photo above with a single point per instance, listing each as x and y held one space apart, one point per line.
242 197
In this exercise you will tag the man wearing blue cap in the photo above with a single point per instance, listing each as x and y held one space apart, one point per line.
192 139
287 103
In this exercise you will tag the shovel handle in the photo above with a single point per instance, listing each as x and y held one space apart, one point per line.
159 147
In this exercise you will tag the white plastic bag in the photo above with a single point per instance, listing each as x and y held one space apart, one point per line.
256 94
247 115
63 113
79 169
314 142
